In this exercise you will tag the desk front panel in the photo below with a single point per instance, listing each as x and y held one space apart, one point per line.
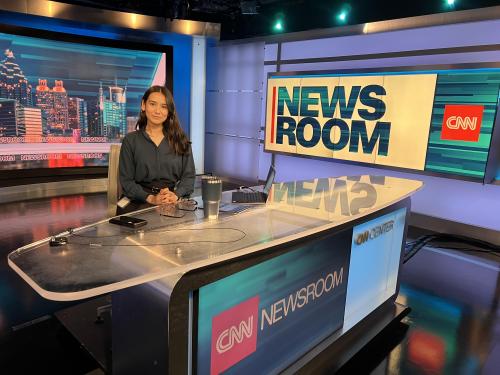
263 318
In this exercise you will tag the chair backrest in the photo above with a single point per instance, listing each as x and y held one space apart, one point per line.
114 187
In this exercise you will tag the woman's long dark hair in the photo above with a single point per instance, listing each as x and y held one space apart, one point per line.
176 137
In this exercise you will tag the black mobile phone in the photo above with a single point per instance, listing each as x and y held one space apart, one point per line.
128 221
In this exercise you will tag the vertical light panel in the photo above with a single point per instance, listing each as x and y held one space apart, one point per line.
233 109
374 266
265 158
198 83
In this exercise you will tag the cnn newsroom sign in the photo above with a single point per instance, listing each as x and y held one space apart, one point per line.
377 119
263 318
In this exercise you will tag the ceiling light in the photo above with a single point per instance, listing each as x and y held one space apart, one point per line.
278 25
343 14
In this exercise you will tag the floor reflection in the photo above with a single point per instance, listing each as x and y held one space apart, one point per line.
453 325
436 342
27 222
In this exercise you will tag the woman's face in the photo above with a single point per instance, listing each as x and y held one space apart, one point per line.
155 108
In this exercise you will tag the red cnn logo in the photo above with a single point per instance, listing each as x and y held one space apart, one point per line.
462 122
234 335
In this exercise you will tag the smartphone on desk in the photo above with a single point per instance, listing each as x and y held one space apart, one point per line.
128 221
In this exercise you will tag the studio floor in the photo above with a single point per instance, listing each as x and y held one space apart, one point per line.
453 326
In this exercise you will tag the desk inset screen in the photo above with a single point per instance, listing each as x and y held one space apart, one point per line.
436 121
62 104
263 318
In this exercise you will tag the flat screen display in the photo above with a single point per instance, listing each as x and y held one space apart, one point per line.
434 121
62 104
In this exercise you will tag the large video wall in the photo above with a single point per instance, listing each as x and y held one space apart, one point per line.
438 121
63 103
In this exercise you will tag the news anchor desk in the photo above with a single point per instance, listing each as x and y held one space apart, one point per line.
268 290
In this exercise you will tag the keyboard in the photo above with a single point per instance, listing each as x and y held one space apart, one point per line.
233 209
249 197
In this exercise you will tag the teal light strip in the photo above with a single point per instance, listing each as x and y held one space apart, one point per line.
362 74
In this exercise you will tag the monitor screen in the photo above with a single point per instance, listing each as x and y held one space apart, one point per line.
437 121
65 99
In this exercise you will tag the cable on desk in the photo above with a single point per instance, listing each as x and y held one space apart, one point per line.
141 231
468 249
173 243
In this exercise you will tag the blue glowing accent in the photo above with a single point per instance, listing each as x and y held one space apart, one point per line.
413 72
438 304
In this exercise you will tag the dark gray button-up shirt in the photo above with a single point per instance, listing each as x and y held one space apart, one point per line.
141 161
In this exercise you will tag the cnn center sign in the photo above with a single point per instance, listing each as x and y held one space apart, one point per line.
377 119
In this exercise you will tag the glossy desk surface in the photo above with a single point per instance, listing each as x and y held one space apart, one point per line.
103 257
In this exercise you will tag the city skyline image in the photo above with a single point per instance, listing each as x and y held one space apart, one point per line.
60 98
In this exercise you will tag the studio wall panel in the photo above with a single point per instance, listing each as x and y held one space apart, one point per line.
458 35
271 52
234 66
235 76
232 156
233 113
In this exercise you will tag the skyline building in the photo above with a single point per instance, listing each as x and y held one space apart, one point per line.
9 126
54 102
60 106
30 118
76 134
77 115
45 101
112 112
93 117
13 83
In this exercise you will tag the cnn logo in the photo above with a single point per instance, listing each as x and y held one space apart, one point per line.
362 237
234 335
462 122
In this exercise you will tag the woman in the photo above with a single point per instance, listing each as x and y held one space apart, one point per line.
156 161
